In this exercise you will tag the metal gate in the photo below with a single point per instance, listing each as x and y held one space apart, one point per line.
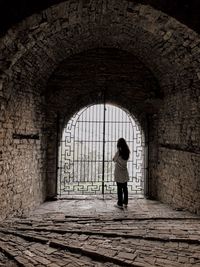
87 146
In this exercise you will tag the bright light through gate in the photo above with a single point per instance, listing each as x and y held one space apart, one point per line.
88 145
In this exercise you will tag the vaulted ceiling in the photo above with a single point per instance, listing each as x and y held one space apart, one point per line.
13 11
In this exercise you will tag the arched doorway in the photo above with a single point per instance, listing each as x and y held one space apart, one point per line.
87 146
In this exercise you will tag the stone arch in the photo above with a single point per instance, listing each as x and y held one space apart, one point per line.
82 79
33 49
139 31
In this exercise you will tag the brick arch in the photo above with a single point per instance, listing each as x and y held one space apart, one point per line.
151 35
84 76
82 79
33 49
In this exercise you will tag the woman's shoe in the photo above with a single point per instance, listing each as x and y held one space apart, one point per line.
118 206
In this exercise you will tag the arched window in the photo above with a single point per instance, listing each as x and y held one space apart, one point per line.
88 145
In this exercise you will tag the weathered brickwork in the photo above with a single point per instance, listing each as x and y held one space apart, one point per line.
183 186
92 232
178 153
22 155
34 49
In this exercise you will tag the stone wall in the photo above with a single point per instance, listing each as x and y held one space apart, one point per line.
178 168
23 142
34 49
178 182
22 154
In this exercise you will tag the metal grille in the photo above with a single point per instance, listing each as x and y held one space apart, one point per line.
88 145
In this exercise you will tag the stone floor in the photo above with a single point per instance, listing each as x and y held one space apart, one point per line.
90 231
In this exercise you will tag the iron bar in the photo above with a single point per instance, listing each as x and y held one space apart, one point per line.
57 147
95 165
61 170
104 125
73 151
85 132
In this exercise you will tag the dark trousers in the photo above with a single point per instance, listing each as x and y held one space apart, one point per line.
122 193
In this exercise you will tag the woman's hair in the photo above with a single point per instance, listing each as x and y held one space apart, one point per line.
123 148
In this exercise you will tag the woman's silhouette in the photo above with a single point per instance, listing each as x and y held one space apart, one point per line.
121 175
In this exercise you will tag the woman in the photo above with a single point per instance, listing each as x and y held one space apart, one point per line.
121 172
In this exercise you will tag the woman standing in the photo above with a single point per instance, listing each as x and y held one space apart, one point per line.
121 172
